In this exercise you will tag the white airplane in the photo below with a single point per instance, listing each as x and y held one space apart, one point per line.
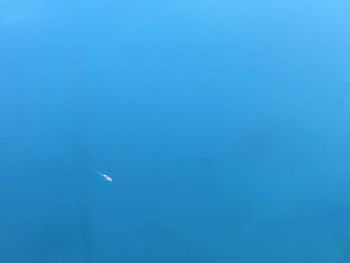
106 177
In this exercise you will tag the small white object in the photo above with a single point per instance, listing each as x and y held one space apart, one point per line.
106 177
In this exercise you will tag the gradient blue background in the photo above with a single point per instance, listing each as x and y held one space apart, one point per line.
225 126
